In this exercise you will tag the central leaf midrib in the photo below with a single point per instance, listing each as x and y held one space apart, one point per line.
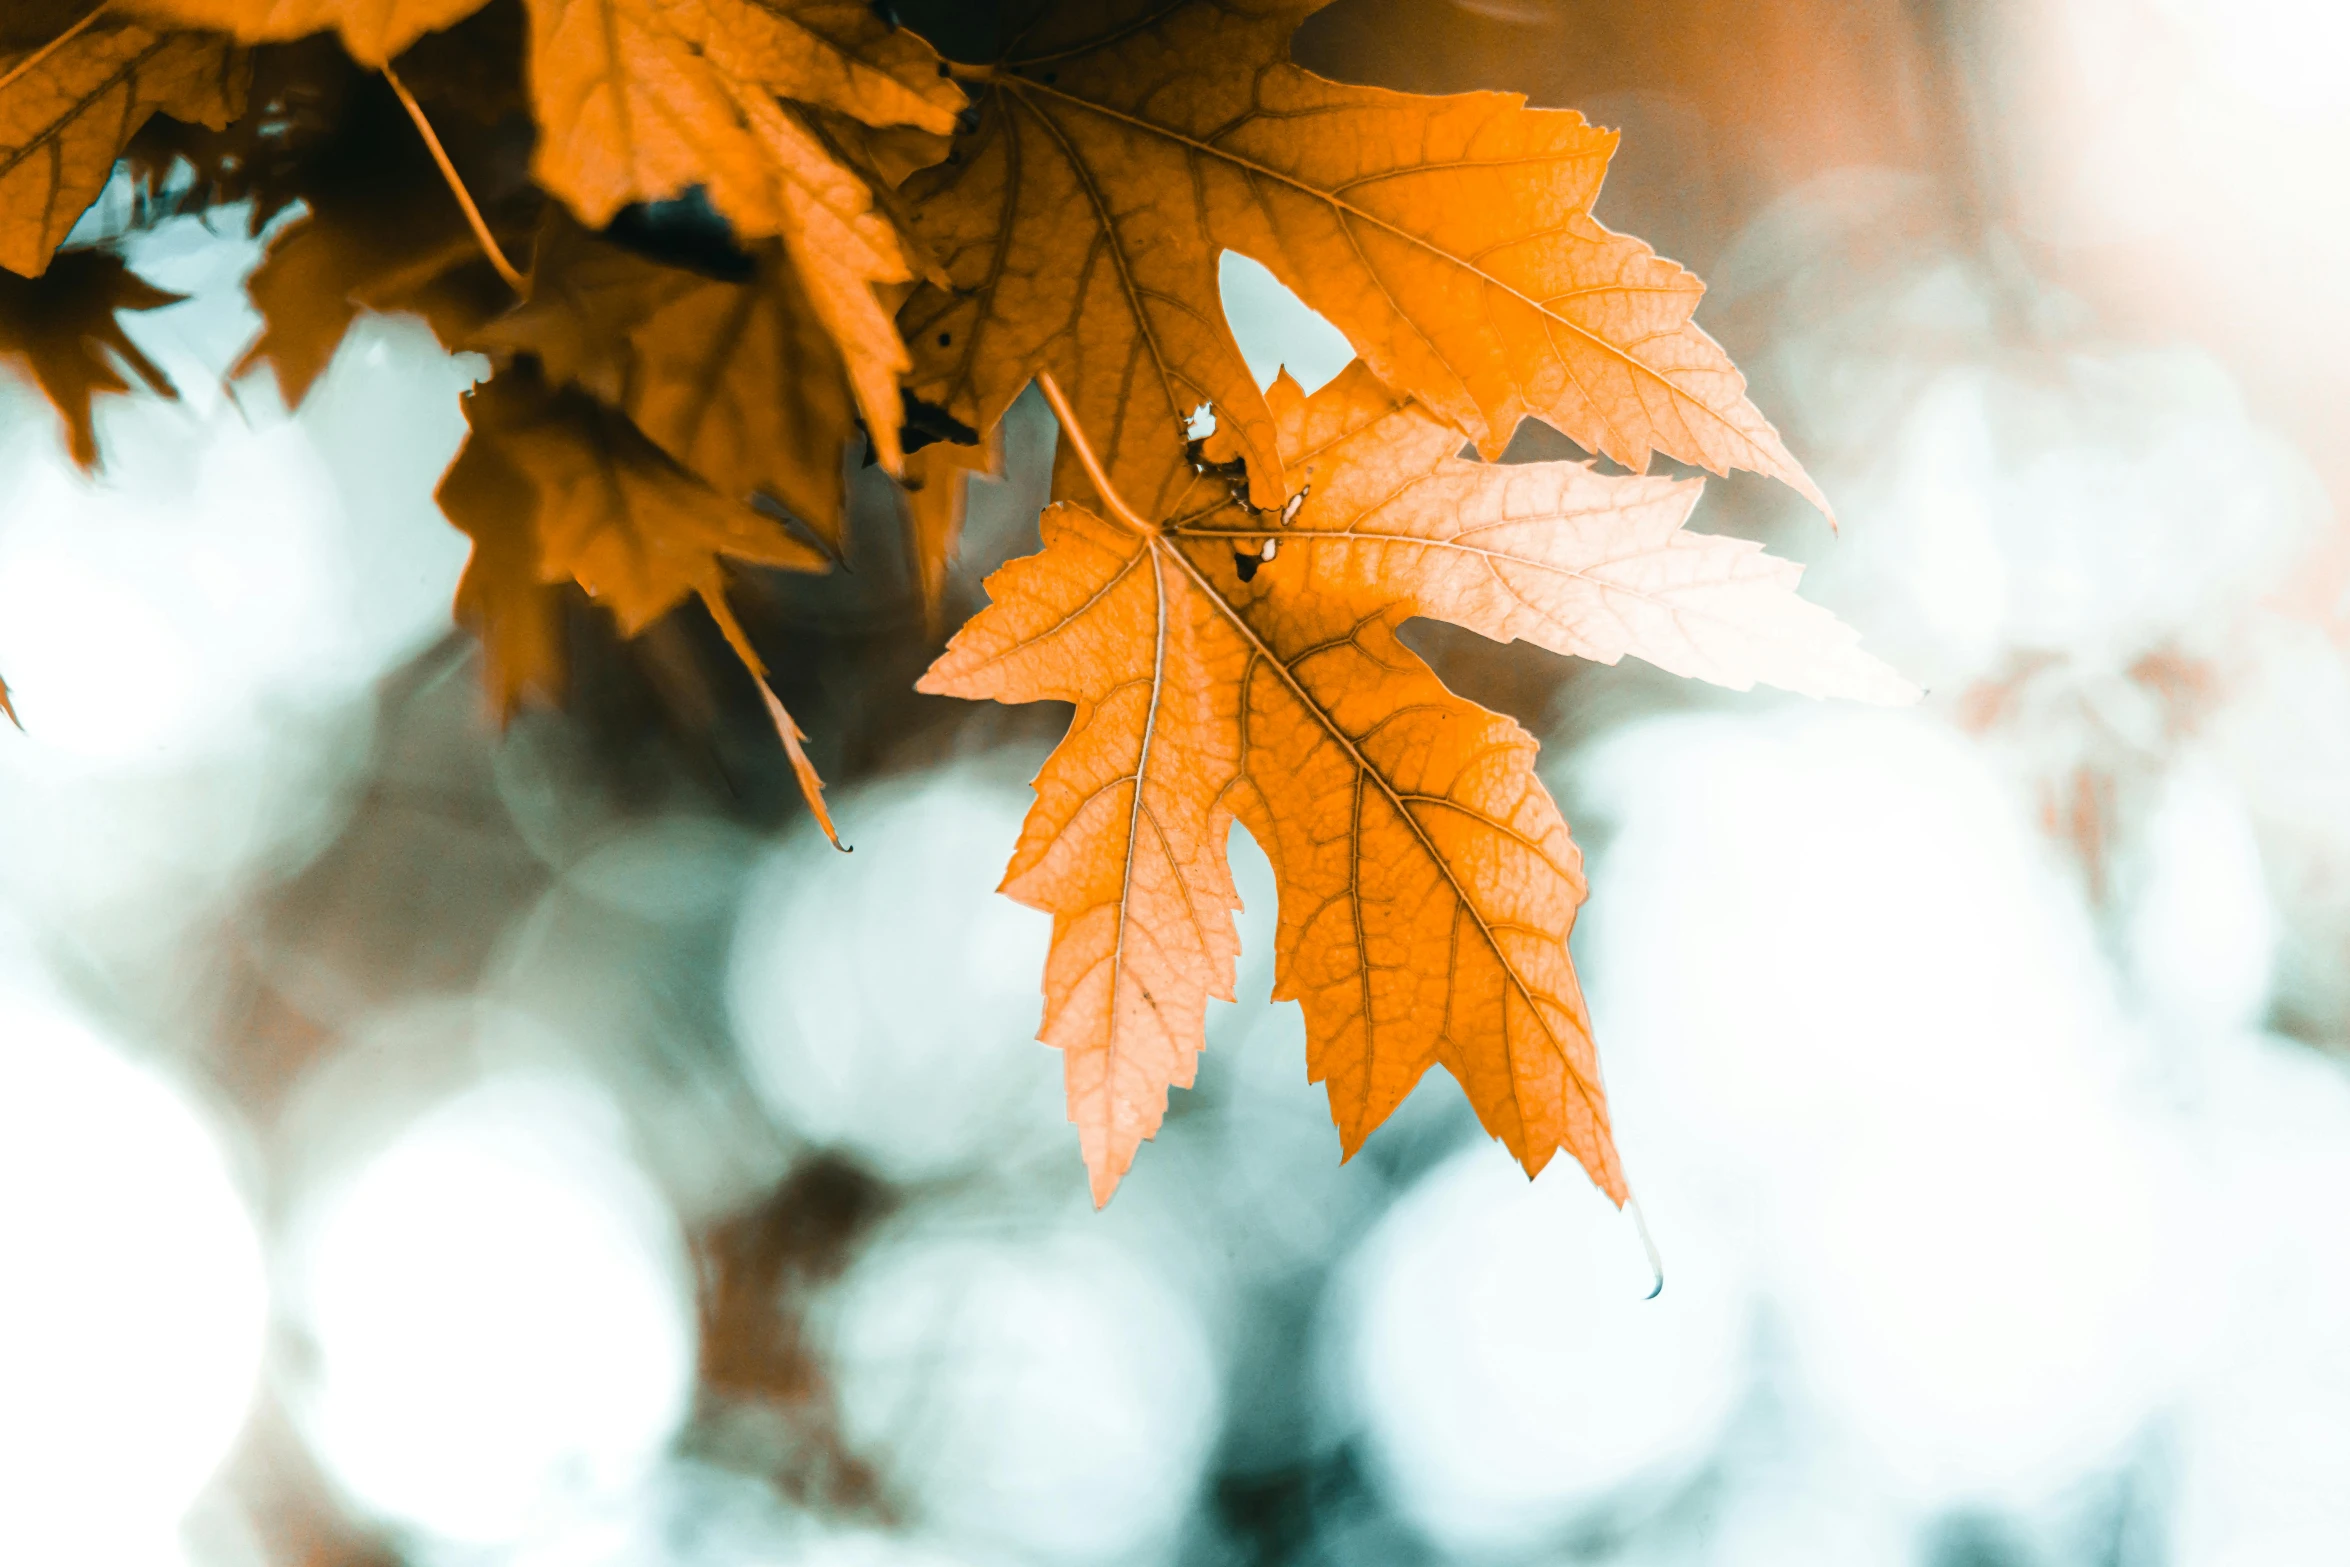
1330 727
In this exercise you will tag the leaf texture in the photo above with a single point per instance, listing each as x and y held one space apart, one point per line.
373 30
1230 667
845 250
1552 553
640 100
1120 148
70 106
1427 883
551 485
739 382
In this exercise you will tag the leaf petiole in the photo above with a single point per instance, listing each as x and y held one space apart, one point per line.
440 156
1086 458
787 728
31 61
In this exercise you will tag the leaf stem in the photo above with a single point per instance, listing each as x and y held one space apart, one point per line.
787 728
33 60
1086 458
481 229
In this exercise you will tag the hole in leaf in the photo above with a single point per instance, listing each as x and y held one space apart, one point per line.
1275 328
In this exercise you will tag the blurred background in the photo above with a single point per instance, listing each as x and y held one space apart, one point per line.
429 1146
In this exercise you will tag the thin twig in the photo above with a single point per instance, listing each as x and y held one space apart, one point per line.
481 230
1086 458
32 60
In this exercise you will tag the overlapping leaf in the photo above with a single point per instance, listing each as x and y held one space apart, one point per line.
1231 659
68 106
373 30
381 229
936 492
1427 882
412 255
553 486
739 382
1120 147
639 100
63 328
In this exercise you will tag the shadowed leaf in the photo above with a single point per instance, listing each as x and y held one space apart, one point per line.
737 381
62 327
552 485
373 30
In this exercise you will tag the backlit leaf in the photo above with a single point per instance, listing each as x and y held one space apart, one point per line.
1119 148
68 107
1232 666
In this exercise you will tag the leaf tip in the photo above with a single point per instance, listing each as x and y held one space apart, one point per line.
1103 1179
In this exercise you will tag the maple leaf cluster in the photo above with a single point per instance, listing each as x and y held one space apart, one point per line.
757 236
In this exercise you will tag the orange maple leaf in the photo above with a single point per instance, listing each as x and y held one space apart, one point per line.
737 381
392 246
553 486
1119 148
639 100
68 107
1225 666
